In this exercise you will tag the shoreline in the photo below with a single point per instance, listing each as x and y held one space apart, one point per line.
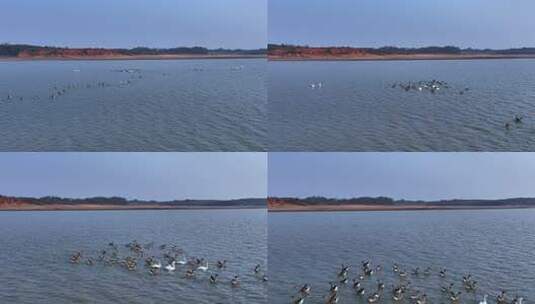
379 208
397 57
132 57
87 207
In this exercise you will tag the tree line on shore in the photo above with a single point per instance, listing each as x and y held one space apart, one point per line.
120 201
18 50
387 201
281 49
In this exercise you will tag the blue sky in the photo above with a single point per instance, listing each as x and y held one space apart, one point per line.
165 176
426 176
130 23
149 176
408 23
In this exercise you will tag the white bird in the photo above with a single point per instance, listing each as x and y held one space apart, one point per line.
203 267
484 300
316 85
171 267
182 261
517 300
156 265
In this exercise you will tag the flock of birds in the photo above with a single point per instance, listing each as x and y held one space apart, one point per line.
316 85
58 91
366 289
169 259
432 86
517 119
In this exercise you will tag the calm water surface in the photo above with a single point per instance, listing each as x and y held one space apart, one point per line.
36 246
356 109
153 105
496 247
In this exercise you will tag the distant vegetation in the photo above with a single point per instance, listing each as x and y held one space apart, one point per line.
119 201
387 201
298 50
24 50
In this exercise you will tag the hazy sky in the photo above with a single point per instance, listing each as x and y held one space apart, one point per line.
426 176
150 176
410 23
130 23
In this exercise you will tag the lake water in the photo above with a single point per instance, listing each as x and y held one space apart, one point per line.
152 105
495 246
36 247
356 108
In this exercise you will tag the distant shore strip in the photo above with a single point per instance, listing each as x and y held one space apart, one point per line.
288 52
315 204
365 208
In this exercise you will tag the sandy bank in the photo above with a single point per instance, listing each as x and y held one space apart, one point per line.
395 57
334 208
132 57
89 207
